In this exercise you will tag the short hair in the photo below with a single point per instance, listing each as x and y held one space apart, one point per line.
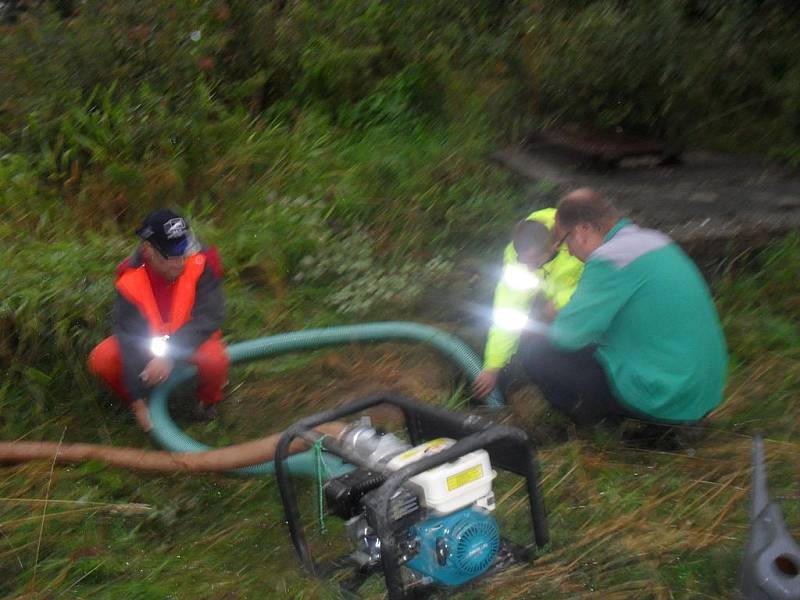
585 205
530 235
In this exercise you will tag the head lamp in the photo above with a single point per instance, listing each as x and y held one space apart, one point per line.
159 346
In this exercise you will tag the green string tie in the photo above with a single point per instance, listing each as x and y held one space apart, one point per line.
321 470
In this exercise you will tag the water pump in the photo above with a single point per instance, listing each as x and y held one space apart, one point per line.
421 512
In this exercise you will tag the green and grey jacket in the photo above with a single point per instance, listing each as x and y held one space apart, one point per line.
644 305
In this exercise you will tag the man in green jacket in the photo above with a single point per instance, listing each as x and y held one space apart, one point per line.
640 336
535 271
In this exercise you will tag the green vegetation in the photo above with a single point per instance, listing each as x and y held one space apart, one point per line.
336 153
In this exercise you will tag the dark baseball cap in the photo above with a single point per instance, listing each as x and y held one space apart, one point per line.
167 232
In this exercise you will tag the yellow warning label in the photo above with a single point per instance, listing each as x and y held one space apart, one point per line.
464 477
426 448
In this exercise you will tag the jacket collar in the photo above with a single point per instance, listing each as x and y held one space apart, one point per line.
615 229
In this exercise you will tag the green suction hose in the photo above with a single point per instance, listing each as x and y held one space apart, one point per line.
168 435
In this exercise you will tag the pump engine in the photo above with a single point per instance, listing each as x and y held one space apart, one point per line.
447 531
422 513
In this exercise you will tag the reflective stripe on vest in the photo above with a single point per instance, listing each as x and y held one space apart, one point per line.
134 285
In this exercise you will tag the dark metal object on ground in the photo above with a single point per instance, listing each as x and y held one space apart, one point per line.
606 151
392 534
771 566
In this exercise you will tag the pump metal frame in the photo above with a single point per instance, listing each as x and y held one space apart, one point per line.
509 448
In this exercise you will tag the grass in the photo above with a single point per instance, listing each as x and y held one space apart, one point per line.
287 133
627 520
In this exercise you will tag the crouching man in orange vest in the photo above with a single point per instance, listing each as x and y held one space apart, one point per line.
169 307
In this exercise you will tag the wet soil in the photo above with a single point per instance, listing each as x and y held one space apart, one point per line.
715 206
267 396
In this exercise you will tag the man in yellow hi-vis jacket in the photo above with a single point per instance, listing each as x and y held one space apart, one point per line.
535 268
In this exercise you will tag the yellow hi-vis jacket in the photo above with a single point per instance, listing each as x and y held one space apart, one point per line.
557 280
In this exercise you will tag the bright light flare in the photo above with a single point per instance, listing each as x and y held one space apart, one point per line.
510 319
520 278
158 345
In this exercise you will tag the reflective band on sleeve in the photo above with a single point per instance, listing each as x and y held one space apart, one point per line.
509 319
518 277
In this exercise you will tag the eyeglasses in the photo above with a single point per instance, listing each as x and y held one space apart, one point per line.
563 239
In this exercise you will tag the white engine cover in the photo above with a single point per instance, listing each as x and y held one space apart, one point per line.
453 485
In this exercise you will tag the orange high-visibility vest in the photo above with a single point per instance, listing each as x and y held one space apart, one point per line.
134 285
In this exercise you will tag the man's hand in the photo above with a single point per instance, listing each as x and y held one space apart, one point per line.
139 410
485 382
157 371
549 312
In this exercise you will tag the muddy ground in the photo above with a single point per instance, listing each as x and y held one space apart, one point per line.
715 206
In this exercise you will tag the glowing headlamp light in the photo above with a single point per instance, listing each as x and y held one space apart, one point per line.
510 319
158 345
519 278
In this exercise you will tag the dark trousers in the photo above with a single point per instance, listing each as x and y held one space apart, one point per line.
573 382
